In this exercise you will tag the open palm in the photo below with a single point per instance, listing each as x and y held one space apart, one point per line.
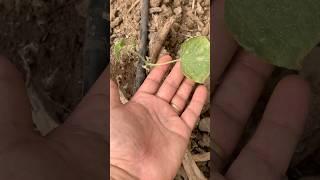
149 134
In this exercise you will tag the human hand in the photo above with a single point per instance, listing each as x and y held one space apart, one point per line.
149 135
267 155
75 150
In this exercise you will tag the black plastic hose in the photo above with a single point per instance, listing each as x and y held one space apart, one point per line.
96 53
140 72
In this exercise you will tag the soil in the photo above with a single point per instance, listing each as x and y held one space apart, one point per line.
191 20
45 40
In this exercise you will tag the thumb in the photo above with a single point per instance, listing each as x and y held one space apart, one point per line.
114 95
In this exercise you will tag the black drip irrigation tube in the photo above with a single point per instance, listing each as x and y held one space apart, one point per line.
140 72
96 54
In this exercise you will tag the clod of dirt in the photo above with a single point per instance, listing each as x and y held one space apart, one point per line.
204 125
116 22
181 174
199 9
155 3
177 11
205 31
167 11
205 141
177 3
155 10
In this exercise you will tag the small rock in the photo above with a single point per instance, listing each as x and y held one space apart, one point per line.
189 23
198 33
181 174
167 11
207 2
205 141
206 29
155 3
177 3
116 22
204 125
112 15
199 9
155 10
177 11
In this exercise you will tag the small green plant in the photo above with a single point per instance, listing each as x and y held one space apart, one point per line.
123 46
282 32
194 57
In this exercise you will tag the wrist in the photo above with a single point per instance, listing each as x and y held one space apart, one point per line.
117 173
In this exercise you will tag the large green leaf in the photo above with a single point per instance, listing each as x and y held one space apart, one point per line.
195 58
282 32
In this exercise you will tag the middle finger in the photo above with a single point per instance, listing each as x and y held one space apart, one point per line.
171 84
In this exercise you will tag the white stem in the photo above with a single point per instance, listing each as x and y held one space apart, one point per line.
161 64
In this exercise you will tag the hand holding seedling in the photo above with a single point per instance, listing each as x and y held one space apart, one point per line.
149 134
268 152
75 150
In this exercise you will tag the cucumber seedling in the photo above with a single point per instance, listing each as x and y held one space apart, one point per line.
194 57
124 47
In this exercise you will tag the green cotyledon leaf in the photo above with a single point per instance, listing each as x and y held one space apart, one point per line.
118 46
282 32
195 58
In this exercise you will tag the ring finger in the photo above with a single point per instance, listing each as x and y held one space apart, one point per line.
180 99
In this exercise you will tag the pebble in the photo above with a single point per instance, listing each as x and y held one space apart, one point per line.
116 22
205 30
177 11
199 9
155 3
155 10
207 3
167 11
177 3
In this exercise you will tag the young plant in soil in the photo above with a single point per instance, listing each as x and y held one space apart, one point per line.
194 57
282 32
122 47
